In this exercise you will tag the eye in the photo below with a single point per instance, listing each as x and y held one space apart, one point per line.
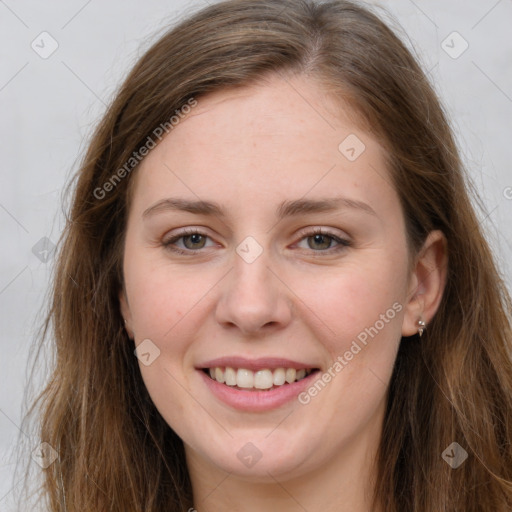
320 240
191 240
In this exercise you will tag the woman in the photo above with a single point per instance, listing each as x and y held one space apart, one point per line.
273 292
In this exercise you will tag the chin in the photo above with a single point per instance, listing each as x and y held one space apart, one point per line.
260 461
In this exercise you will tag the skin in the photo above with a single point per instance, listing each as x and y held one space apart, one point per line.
249 149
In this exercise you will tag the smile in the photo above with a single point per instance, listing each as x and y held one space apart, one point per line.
256 385
264 379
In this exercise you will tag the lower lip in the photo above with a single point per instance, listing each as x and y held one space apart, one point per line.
256 401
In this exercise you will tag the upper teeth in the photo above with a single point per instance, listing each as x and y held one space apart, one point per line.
261 379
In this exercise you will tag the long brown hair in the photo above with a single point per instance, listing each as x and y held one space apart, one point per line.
115 452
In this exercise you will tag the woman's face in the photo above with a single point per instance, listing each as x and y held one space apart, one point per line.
264 237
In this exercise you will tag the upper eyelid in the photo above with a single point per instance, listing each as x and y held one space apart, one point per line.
303 232
322 230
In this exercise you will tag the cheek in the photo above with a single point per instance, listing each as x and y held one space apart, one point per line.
161 295
164 303
361 309
355 300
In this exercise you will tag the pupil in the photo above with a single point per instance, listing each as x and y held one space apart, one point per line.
317 239
194 239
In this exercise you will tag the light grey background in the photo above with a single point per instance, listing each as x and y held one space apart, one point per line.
49 108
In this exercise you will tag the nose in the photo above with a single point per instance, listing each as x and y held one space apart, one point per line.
253 298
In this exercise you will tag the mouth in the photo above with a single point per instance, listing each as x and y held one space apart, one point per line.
264 379
256 385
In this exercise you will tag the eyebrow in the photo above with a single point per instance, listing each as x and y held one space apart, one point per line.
285 209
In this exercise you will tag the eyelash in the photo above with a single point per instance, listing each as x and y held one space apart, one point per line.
343 243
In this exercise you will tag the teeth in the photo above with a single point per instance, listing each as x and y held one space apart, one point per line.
291 374
279 376
244 378
219 375
230 376
300 374
261 379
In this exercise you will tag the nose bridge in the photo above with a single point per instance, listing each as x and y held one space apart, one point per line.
251 274
252 297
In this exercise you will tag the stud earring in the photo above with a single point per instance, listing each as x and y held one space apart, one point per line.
421 327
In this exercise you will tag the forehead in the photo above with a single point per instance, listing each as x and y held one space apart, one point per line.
277 108
278 139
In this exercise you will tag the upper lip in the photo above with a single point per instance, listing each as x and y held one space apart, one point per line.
262 363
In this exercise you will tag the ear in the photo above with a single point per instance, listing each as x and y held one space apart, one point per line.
126 313
426 283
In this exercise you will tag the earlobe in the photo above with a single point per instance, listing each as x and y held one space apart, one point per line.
427 283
